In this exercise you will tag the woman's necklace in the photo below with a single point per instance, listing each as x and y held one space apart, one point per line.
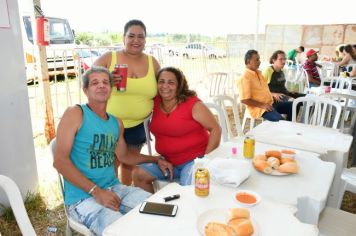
168 109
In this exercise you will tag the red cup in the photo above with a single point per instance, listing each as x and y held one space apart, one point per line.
121 70
327 89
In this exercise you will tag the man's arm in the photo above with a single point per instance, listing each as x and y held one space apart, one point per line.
131 158
253 103
67 128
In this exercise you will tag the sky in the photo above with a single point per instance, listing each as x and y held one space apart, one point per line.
204 17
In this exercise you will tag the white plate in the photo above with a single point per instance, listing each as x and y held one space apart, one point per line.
256 195
219 215
276 172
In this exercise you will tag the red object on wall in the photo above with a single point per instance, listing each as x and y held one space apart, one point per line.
42 31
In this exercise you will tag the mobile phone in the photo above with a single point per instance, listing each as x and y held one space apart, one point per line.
158 209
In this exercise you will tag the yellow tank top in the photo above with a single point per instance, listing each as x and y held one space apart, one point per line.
136 103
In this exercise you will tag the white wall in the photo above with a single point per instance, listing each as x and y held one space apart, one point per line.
17 155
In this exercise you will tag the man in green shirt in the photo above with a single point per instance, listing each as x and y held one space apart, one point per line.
292 54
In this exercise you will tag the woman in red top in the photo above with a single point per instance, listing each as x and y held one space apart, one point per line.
184 129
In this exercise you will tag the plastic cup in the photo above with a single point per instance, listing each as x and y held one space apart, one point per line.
327 89
234 151
121 70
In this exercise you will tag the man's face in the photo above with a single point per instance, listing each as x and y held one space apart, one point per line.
254 62
313 57
99 87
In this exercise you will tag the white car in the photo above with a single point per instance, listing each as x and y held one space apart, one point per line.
196 50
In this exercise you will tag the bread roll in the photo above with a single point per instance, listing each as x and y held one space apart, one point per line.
289 167
218 229
262 166
285 160
236 221
237 213
273 162
274 153
242 227
261 157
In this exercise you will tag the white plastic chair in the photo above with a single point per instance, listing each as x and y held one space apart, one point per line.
340 82
71 223
215 109
17 205
318 111
348 105
217 83
302 80
247 116
348 183
224 102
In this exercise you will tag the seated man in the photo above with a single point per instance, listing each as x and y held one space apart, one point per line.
88 139
255 94
275 77
310 67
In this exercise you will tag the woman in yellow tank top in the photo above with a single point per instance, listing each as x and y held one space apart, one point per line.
135 104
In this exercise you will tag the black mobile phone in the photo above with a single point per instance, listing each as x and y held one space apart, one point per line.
158 209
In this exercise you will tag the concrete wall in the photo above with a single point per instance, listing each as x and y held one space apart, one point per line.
286 37
322 37
17 155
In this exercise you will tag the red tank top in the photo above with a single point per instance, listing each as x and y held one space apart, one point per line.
179 138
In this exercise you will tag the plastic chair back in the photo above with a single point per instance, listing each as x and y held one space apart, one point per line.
225 102
217 83
215 109
17 205
317 111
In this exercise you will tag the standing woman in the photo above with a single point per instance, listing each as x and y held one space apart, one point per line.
136 103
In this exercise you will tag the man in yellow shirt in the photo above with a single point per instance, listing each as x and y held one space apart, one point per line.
255 94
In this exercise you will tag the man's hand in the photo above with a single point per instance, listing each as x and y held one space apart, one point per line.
267 107
166 166
107 198
278 96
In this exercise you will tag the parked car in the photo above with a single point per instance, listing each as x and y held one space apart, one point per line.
86 58
196 50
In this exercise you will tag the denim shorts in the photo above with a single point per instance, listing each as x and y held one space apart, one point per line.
183 172
135 136
96 217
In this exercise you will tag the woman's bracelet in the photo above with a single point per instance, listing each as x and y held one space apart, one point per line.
92 189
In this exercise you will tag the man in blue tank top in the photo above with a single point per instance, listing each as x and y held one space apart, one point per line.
88 141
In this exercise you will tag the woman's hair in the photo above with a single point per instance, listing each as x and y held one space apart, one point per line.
132 23
95 69
183 91
348 48
249 55
275 55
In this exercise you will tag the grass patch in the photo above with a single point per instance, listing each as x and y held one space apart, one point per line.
40 216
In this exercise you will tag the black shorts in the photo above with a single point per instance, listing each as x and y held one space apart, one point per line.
135 136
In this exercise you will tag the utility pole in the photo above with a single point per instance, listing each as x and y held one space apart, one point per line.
43 78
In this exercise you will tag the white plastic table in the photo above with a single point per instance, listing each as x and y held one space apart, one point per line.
331 144
307 190
272 219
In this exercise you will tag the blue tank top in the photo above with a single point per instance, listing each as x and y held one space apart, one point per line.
93 153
